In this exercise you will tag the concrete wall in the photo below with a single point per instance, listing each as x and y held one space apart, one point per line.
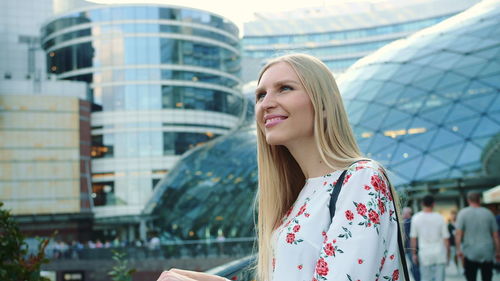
40 154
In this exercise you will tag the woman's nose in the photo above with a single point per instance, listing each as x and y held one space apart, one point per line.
268 101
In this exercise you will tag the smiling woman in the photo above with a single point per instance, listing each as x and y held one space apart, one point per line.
283 109
306 155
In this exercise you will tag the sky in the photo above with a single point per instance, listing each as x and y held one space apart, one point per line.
239 11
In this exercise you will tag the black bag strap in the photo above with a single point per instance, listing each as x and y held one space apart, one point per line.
333 201
335 194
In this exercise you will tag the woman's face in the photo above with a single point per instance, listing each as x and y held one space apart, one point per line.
284 112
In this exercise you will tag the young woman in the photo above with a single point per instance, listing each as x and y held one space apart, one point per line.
304 145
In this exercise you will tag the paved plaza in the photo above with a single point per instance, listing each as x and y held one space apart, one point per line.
452 274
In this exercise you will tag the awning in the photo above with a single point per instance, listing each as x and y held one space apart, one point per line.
492 195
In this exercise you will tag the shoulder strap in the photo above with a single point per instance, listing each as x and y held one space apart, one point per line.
333 201
402 256
335 194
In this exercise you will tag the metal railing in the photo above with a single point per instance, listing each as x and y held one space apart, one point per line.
230 247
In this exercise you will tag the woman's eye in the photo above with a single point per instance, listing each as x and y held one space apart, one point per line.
286 88
259 96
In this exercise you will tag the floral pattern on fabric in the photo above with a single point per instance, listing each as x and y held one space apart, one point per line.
360 243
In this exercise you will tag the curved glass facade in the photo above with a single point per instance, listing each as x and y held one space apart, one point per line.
162 79
341 38
427 106
210 191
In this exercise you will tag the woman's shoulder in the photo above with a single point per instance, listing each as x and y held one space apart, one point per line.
367 165
367 172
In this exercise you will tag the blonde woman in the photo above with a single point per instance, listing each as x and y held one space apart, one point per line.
305 144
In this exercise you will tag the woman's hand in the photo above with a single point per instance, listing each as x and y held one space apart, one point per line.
171 275
186 275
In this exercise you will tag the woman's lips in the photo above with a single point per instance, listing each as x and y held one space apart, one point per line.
270 122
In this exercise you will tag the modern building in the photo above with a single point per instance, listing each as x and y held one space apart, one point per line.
163 79
341 33
210 191
44 132
45 157
427 107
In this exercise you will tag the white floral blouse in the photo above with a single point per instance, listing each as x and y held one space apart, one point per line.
359 244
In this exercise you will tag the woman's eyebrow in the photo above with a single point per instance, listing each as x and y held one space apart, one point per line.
277 83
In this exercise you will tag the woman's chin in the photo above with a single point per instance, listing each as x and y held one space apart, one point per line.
274 140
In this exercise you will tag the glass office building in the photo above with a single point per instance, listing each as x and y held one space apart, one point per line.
163 80
427 107
344 32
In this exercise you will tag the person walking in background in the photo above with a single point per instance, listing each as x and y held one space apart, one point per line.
451 230
407 213
430 229
476 239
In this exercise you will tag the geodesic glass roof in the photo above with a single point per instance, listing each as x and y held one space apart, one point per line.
210 191
427 105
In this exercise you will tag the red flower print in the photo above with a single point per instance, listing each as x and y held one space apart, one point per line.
296 228
369 224
234 278
349 215
302 209
367 187
322 267
288 212
373 216
329 249
274 263
314 279
325 183
334 241
347 179
381 206
389 196
395 275
361 208
360 261
379 184
307 215
290 237
299 267
325 237
391 257
382 262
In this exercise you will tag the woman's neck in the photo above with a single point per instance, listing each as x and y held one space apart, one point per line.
309 159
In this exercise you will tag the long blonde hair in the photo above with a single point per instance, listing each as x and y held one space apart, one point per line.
280 177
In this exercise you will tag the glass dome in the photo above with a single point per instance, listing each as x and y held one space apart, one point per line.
426 106
210 191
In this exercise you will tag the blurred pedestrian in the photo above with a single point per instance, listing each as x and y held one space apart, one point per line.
116 242
154 245
407 214
451 230
98 244
431 231
477 239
